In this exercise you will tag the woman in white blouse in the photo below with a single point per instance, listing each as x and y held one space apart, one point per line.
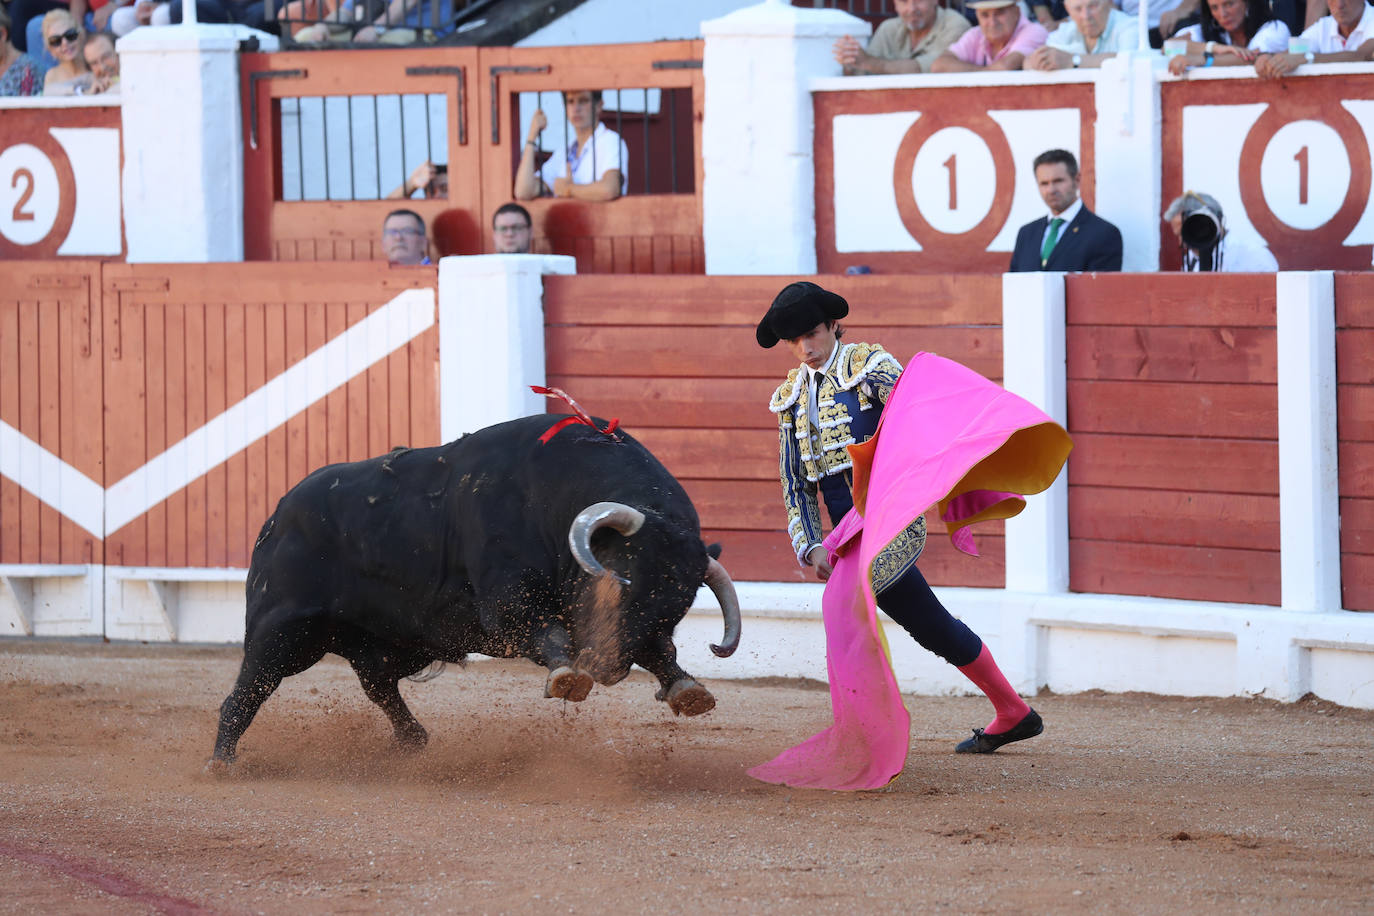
1231 32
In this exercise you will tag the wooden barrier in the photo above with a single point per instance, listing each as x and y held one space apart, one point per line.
655 232
1172 395
51 399
677 362
155 413
1355 431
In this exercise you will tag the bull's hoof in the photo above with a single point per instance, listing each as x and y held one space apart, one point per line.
688 698
567 684
219 767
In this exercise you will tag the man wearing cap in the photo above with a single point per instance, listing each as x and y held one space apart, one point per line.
1070 237
832 400
1002 40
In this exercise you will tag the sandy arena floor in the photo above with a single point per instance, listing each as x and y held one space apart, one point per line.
1130 803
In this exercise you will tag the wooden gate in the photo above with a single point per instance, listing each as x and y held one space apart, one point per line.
152 415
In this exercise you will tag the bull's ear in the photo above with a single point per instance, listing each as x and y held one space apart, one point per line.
713 551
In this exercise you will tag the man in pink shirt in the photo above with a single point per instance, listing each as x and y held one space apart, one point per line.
1001 42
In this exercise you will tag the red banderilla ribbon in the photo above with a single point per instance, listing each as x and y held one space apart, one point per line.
581 415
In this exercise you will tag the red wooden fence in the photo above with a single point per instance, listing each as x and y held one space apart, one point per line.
678 364
111 368
1355 430
656 232
1172 396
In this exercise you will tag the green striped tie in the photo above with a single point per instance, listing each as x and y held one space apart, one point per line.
1050 238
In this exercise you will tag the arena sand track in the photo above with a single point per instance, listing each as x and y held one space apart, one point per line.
524 805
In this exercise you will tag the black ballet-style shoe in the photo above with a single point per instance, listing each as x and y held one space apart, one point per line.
983 743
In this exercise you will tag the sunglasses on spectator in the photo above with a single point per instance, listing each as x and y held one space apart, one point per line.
71 35
402 233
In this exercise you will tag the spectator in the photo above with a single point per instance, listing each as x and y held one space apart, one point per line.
139 12
1049 13
20 74
594 166
1001 42
1071 237
512 230
1095 31
1337 37
27 16
65 38
429 179
404 22
907 43
100 56
1165 16
403 238
1204 242
1231 32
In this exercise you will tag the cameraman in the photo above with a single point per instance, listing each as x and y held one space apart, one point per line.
1201 231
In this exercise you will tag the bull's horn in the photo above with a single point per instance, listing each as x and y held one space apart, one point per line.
719 582
622 518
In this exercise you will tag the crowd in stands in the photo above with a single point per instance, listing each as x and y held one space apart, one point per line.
74 62
1274 37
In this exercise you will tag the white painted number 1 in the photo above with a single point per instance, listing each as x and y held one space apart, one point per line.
949 165
1301 158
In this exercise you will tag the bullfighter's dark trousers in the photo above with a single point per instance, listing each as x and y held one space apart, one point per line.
909 600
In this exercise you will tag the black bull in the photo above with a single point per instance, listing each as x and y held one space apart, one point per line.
581 553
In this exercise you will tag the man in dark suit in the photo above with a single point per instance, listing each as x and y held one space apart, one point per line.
1071 237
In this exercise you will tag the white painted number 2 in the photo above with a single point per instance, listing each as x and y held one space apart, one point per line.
29 194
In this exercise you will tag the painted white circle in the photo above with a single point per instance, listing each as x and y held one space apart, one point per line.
29 194
954 180
1305 174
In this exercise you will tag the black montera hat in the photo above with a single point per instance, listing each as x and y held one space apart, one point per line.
797 309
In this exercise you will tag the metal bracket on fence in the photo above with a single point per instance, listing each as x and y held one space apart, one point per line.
253 96
496 95
462 74
677 65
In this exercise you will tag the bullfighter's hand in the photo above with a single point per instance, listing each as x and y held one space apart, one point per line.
820 558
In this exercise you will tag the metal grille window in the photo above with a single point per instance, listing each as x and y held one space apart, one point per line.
358 147
656 126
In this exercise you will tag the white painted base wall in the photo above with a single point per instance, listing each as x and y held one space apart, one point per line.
1068 643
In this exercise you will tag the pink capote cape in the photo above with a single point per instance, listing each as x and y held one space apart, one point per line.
950 438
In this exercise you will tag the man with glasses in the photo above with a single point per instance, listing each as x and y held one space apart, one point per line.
403 239
511 230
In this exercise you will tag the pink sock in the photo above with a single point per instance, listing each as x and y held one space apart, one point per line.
1011 709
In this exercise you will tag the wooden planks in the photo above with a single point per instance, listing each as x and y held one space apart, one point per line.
50 395
676 361
1172 397
1355 431
193 342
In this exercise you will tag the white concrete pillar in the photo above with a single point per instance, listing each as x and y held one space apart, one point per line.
759 191
183 141
491 338
1128 156
1309 506
1034 365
